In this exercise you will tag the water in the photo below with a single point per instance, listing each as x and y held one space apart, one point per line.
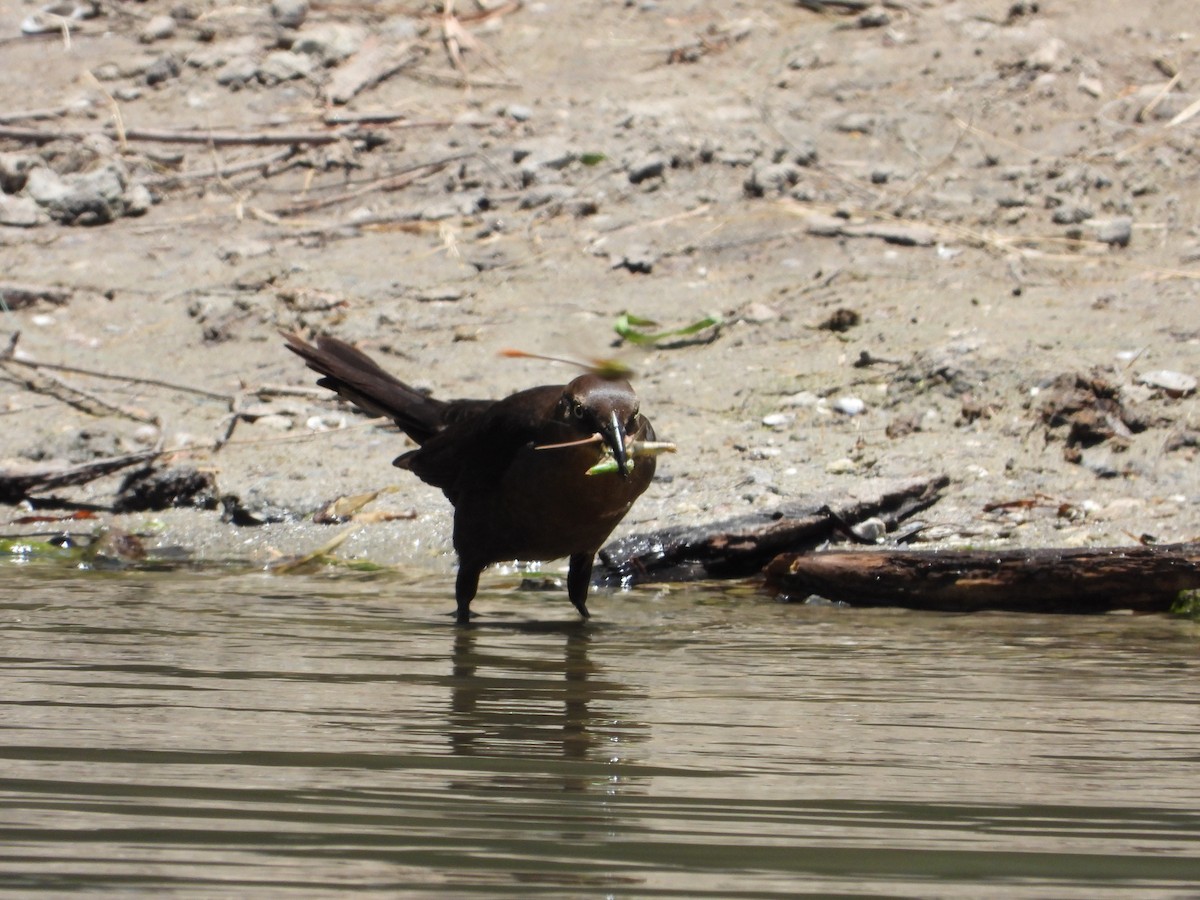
222 735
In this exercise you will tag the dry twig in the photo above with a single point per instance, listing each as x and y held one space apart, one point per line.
17 485
7 358
393 182
73 396
15 295
169 136
223 172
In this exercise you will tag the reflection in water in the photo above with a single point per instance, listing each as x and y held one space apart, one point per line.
204 736
536 705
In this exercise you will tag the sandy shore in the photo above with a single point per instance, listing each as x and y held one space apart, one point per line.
952 238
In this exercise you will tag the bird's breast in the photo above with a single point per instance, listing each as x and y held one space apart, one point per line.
547 506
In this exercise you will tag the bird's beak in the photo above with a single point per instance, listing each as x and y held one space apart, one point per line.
613 433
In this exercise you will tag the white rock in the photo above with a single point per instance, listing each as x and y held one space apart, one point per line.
147 435
871 530
289 13
21 212
777 420
1117 232
1093 87
849 406
284 65
757 313
158 28
329 422
330 42
1047 56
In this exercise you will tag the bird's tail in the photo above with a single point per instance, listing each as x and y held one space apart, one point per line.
357 378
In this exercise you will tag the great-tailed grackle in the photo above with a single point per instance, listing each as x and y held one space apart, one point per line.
517 469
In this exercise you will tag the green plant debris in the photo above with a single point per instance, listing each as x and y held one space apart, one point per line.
28 550
608 463
1187 603
312 561
632 328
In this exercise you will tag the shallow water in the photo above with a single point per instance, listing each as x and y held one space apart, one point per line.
205 735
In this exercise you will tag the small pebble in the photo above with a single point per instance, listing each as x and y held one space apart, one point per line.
1071 214
284 65
758 313
162 69
843 466
329 42
875 17
770 179
804 152
329 422
856 122
21 212
237 71
147 435
777 420
289 13
648 167
871 530
159 28
1047 56
849 406
1117 232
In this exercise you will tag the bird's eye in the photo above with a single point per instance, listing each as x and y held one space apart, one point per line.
577 409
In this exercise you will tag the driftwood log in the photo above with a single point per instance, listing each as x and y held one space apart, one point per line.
16 485
741 547
1143 579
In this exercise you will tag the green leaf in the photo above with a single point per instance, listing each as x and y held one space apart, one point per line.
628 327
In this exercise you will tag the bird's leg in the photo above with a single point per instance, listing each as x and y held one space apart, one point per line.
465 587
579 579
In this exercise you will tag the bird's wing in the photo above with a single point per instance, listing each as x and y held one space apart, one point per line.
481 438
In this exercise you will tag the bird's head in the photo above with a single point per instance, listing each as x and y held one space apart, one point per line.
592 404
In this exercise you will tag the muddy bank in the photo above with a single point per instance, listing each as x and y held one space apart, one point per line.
949 239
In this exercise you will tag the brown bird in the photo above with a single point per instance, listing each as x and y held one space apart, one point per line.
516 470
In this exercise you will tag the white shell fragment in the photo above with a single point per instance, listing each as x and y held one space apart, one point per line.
1177 384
